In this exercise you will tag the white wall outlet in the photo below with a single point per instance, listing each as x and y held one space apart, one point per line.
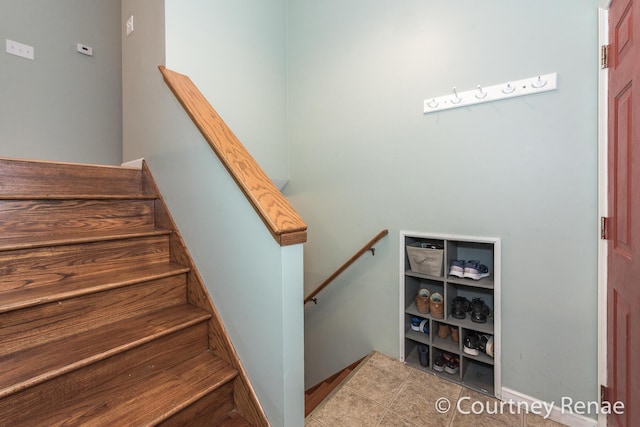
130 25
19 49
84 49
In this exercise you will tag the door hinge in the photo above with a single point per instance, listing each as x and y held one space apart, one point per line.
604 227
604 56
604 395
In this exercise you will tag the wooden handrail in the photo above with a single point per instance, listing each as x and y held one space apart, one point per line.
284 223
365 248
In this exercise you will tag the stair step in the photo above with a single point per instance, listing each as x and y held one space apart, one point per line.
76 286
33 366
30 327
45 217
26 179
34 242
233 419
146 398
29 268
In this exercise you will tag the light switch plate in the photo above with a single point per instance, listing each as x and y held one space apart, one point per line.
20 49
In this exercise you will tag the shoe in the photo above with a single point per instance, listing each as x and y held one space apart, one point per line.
419 324
474 270
436 305
422 300
455 334
459 307
485 344
457 268
471 344
453 367
479 311
441 361
423 351
443 330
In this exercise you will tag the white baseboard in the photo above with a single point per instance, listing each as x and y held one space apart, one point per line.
133 164
557 413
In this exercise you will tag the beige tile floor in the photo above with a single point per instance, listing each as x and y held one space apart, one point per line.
385 392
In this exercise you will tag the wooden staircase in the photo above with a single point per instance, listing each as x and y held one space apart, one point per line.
103 318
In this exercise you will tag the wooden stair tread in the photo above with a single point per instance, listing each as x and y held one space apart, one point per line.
233 419
75 286
31 242
32 366
143 398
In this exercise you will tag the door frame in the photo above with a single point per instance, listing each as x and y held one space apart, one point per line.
603 89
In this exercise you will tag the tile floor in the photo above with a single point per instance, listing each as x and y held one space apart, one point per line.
385 392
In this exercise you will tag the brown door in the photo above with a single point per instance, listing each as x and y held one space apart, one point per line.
623 281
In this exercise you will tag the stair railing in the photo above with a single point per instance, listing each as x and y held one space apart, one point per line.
369 246
284 223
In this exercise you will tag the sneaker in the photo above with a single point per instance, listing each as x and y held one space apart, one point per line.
485 344
441 361
459 307
419 324
457 268
471 344
479 311
453 367
423 351
474 270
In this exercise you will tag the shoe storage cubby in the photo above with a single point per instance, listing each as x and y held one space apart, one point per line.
459 338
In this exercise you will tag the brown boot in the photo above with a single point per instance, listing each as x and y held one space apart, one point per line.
422 300
455 334
436 305
443 330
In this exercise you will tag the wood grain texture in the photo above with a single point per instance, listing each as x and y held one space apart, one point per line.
154 356
102 319
76 286
220 344
30 367
284 223
37 325
142 398
29 268
21 218
25 179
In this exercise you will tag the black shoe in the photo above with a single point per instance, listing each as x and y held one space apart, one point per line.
479 311
459 307
423 351
471 342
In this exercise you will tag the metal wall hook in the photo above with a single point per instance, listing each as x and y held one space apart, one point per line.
457 99
482 93
539 83
509 88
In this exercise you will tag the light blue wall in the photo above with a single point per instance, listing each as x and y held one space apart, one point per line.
255 284
364 157
62 105
235 52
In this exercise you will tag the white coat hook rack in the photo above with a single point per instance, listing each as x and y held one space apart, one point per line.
512 89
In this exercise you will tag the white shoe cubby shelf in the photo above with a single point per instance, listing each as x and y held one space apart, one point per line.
479 372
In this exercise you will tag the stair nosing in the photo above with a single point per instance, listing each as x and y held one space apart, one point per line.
88 238
53 296
102 355
44 196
